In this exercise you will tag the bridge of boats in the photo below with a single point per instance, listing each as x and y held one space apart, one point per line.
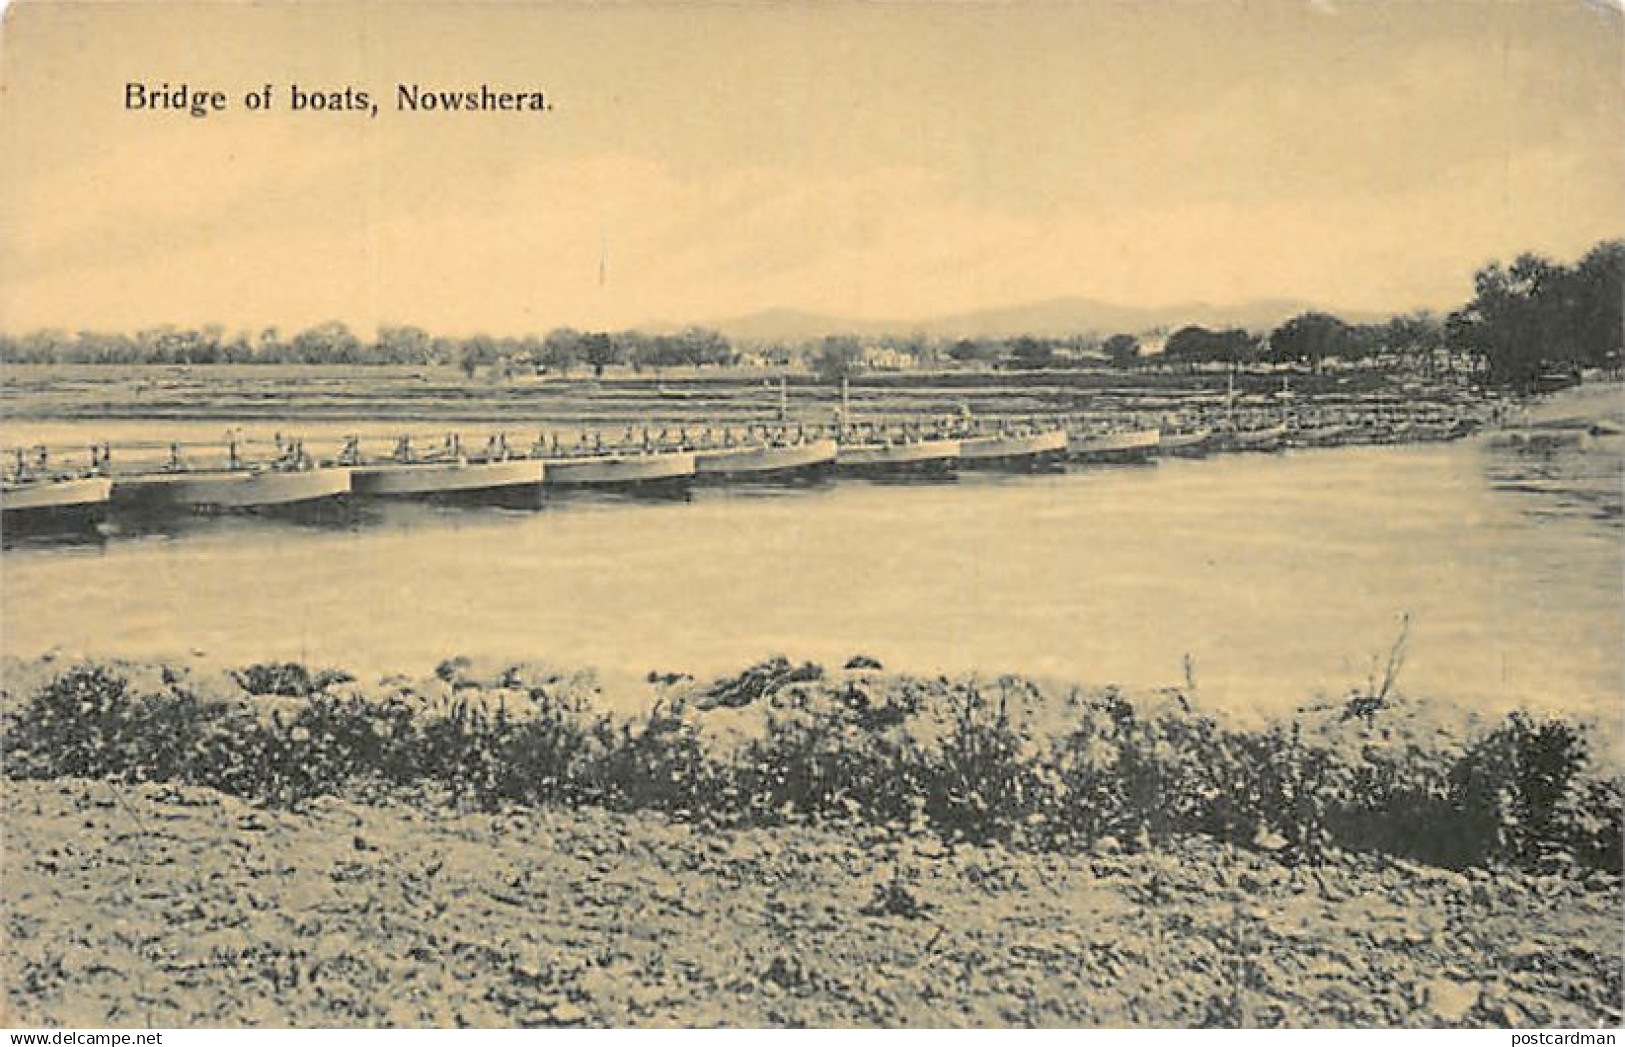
239 472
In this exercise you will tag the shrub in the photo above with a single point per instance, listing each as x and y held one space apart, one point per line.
981 782
540 757
287 679
1523 799
1133 774
757 682
82 722
660 762
823 751
1386 775
971 760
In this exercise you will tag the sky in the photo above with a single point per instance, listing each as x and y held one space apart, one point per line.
873 161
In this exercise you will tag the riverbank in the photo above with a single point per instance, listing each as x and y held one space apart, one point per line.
1035 766
310 395
173 905
143 409
789 845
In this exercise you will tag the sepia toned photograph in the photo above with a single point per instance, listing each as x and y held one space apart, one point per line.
1099 514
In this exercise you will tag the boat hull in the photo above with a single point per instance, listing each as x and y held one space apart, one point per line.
1007 450
1195 441
1133 445
443 478
1432 432
746 462
922 456
1321 436
47 496
234 490
1271 439
667 467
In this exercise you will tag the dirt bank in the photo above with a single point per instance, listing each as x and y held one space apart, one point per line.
178 906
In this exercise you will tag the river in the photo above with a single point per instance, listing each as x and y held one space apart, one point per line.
1276 576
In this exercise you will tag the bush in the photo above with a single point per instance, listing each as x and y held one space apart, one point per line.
982 781
830 752
82 723
660 762
1000 761
756 683
1523 799
1134 774
287 679
542 757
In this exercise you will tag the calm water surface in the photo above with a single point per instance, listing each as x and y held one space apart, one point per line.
1278 575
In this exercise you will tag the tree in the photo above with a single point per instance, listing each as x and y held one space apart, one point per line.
239 350
1028 353
528 350
837 357
968 350
329 343
1188 344
1122 350
156 344
666 351
269 347
476 351
93 347
600 351
1311 338
1415 336
701 346
1518 321
561 350
42 347
1196 344
1417 332
207 345
636 348
403 344
1599 322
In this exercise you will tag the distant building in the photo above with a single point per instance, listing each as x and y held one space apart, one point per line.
885 358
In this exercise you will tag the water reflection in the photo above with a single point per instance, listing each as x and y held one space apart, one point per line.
1583 478
56 534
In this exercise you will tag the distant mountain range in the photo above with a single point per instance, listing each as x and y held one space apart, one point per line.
1056 316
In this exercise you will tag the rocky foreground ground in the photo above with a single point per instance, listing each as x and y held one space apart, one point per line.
178 906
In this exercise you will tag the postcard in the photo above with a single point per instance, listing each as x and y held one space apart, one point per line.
980 515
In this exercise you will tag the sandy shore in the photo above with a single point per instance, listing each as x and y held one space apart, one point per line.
178 906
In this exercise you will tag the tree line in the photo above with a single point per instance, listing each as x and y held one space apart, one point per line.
1536 316
1525 320
1311 339
561 350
